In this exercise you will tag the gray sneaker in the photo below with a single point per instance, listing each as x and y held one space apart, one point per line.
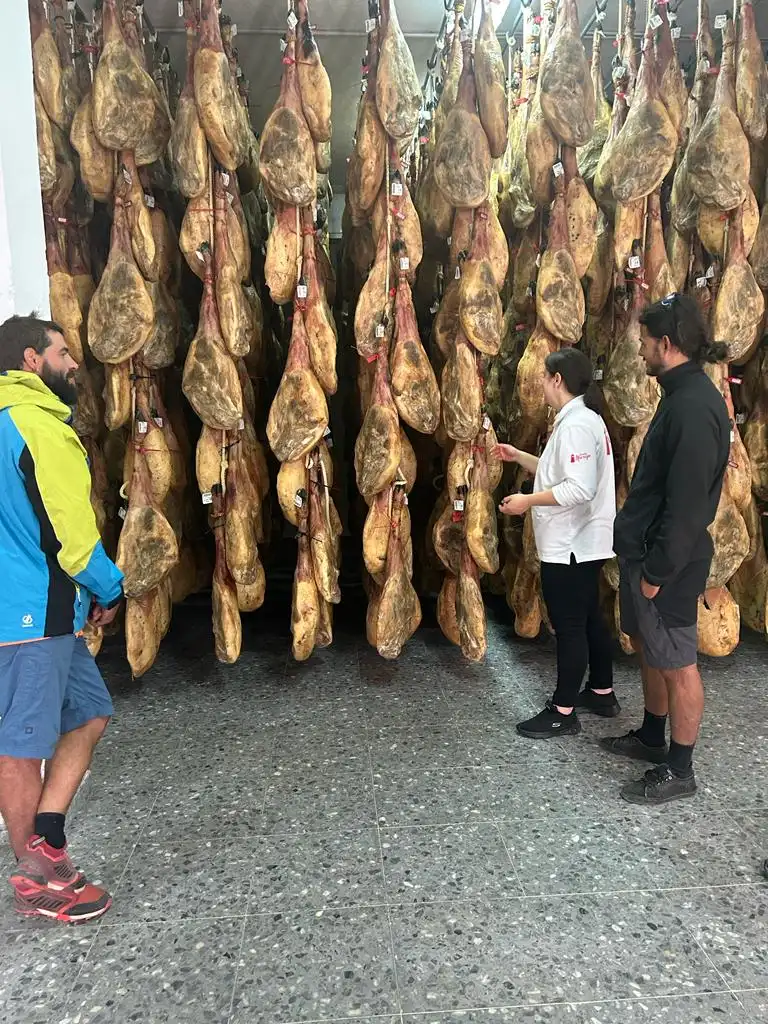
659 786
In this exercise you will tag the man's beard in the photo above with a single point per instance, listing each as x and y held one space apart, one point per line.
62 385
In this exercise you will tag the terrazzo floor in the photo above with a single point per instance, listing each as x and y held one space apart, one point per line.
359 839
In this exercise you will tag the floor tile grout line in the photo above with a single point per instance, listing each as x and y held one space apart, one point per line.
509 857
239 956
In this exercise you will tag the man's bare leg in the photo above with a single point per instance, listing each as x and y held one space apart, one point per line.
66 769
655 688
20 789
686 709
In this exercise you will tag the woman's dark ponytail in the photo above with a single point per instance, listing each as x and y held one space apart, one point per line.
576 370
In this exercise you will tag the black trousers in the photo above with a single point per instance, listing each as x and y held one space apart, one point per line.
572 595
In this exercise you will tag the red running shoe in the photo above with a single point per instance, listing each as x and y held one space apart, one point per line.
47 884
46 867
68 905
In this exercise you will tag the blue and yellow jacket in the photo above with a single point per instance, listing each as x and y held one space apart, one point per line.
52 561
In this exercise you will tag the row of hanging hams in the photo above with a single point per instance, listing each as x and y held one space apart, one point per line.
294 155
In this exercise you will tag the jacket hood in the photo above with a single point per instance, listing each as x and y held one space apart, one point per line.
18 387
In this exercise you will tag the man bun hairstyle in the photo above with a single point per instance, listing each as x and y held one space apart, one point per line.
576 370
19 333
679 318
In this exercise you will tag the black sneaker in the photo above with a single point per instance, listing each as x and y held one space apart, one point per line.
633 747
604 704
550 723
659 786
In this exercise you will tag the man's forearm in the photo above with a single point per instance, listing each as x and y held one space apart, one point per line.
530 463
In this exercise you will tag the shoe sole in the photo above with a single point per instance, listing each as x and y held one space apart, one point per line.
642 801
64 917
529 735
610 712
630 756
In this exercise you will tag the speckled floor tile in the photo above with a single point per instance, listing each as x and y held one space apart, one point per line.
407 708
38 964
308 800
544 781
555 854
568 949
450 796
408 748
180 880
731 926
756 1005
144 973
338 869
735 769
227 801
313 966
447 863
114 807
709 1009
322 742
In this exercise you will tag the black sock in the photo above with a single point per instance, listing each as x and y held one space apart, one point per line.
680 759
653 730
51 828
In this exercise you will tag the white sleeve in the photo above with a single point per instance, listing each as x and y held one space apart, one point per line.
577 462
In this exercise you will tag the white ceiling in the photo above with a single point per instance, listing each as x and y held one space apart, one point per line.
340 30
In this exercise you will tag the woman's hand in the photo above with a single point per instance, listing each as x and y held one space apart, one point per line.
505 452
515 504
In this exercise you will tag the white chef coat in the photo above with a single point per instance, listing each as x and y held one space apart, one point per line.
577 466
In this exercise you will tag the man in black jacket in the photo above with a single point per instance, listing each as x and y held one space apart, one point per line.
664 549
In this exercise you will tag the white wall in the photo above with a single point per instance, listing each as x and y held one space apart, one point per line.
23 272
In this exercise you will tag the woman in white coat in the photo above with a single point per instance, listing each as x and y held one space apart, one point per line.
573 506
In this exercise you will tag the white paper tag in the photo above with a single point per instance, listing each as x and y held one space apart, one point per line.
207 498
701 282
600 16
557 170
122 512
149 200
733 436
159 420
302 291
710 272
283 46
370 25
458 505
230 198
676 32
200 256
405 263
397 188
535 30
298 501
721 21
457 275
380 331
241 424
634 263
234 29
327 432
405 500
597 375
538 260
225 179
141 426
293 21
656 22
181 8
127 176
449 241
741 417
486 422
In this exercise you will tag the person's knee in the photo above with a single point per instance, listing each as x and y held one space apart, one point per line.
19 767
98 726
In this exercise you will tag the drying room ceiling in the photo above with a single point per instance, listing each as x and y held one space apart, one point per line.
340 30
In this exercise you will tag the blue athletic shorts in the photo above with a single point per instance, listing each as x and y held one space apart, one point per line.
47 687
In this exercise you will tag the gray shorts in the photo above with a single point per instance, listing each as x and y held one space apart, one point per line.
665 645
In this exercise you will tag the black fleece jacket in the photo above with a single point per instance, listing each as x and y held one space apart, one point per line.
678 478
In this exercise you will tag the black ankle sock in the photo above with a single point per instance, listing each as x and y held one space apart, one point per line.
51 828
680 759
653 730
